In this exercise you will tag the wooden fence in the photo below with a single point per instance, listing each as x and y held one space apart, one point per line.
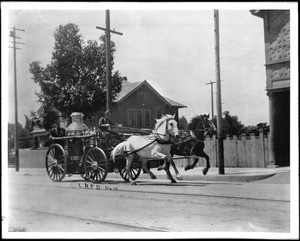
242 151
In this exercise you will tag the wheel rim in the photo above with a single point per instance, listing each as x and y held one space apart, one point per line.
56 163
135 171
95 165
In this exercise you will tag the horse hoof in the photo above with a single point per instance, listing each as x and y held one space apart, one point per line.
153 177
173 181
178 177
133 183
187 168
205 170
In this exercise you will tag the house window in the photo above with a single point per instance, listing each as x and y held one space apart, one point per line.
138 118
158 112
147 118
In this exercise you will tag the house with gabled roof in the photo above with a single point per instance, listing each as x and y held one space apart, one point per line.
139 105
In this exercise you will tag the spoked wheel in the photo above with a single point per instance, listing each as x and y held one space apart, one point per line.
135 170
56 162
95 165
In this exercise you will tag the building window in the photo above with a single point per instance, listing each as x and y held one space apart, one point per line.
147 118
131 118
138 118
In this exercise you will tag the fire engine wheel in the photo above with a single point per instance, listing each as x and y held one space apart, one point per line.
56 163
135 171
95 165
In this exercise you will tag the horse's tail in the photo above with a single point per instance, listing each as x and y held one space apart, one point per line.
118 150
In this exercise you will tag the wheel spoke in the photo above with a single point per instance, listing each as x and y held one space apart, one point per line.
91 160
98 176
50 165
51 172
101 171
50 157
61 169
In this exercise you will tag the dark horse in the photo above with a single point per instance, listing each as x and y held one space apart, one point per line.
188 145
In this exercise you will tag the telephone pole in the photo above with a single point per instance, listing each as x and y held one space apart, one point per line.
212 97
108 59
16 137
219 101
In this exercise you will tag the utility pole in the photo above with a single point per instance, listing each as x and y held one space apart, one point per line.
219 101
212 97
16 137
108 59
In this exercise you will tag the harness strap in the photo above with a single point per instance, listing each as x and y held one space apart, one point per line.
180 142
135 151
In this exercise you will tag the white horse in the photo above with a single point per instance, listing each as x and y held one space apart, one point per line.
156 145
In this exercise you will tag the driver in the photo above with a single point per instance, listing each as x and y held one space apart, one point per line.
104 123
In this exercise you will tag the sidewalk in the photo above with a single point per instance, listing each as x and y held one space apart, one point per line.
273 175
231 174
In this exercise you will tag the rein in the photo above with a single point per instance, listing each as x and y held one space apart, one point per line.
180 142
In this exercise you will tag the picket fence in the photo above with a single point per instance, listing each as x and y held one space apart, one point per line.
239 151
242 151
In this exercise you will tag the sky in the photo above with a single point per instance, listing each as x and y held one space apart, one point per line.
172 46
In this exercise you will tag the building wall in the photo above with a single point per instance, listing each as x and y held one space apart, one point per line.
277 63
277 48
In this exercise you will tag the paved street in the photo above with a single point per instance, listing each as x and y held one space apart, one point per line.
36 204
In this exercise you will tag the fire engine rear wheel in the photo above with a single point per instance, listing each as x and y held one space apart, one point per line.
95 165
56 163
135 171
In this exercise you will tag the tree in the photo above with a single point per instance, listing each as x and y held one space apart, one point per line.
24 138
49 116
75 80
255 129
183 123
231 125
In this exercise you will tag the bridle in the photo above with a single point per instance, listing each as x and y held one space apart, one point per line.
158 135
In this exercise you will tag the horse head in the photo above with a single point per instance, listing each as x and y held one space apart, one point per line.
166 127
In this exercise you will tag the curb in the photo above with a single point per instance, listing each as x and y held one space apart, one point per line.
217 178
192 176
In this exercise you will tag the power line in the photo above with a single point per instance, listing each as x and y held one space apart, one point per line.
13 35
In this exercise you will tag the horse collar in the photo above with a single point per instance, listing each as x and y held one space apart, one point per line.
162 142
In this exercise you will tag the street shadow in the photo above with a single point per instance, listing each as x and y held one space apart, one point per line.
156 182
184 183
